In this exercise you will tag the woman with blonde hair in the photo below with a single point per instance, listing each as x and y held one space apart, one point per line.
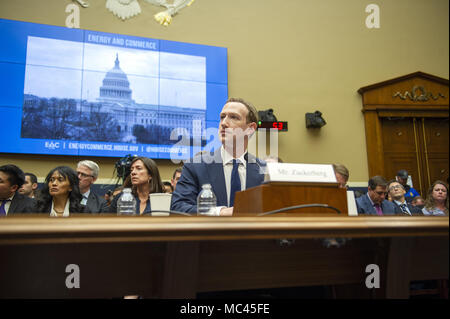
436 203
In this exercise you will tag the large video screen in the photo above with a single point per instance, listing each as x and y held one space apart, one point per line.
79 92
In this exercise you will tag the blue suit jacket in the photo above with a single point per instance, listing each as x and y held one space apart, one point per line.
209 170
365 207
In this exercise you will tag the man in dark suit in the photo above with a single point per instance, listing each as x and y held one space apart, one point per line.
11 201
30 187
231 168
87 174
397 193
374 202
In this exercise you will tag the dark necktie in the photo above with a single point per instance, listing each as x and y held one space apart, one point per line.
378 209
2 207
235 181
403 208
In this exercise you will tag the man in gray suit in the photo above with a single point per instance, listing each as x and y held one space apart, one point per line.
374 202
87 174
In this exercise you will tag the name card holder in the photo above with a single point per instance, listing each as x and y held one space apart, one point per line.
287 185
301 173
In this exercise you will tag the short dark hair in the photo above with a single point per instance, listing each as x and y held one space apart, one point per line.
252 115
178 170
377 181
14 173
33 178
393 181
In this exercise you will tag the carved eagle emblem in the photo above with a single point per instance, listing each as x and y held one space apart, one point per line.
125 9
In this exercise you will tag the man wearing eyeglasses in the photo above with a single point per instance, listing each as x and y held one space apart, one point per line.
87 174
374 202
397 193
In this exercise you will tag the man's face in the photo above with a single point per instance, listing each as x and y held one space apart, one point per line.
396 191
402 181
6 190
233 125
418 202
175 180
85 176
28 187
378 194
341 180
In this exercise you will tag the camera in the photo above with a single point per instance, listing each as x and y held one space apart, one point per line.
314 120
267 116
123 166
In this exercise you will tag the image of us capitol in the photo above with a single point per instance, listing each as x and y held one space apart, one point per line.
159 93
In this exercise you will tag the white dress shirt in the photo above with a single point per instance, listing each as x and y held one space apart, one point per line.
85 197
8 203
227 162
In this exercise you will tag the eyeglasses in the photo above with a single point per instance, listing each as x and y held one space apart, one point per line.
395 187
380 193
83 175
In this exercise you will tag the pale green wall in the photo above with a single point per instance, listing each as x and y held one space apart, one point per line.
293 55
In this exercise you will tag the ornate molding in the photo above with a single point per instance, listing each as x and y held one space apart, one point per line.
421 97
125 9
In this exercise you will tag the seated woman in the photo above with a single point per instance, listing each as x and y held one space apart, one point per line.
60 195
436 203
144 180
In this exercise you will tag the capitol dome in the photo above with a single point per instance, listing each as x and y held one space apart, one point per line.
116 86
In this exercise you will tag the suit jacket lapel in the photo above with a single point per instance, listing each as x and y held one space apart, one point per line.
91 202
254 176
370 207
14 203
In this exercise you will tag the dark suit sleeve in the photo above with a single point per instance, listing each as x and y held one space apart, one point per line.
398 210
30 206
390 208
22 205
112 209
415 210
184 198
104 208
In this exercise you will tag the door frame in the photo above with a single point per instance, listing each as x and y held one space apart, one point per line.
416 95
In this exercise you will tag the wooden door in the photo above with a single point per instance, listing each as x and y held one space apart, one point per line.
406 123
419 145
435 133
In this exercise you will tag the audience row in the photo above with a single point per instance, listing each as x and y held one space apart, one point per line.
67 191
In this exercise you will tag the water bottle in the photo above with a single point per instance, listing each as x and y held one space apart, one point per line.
126 205
206 201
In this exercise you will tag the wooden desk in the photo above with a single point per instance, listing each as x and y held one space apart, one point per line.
176 257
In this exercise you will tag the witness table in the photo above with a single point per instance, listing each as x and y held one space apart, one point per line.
178 257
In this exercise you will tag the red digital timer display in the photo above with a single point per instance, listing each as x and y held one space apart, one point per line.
280 126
